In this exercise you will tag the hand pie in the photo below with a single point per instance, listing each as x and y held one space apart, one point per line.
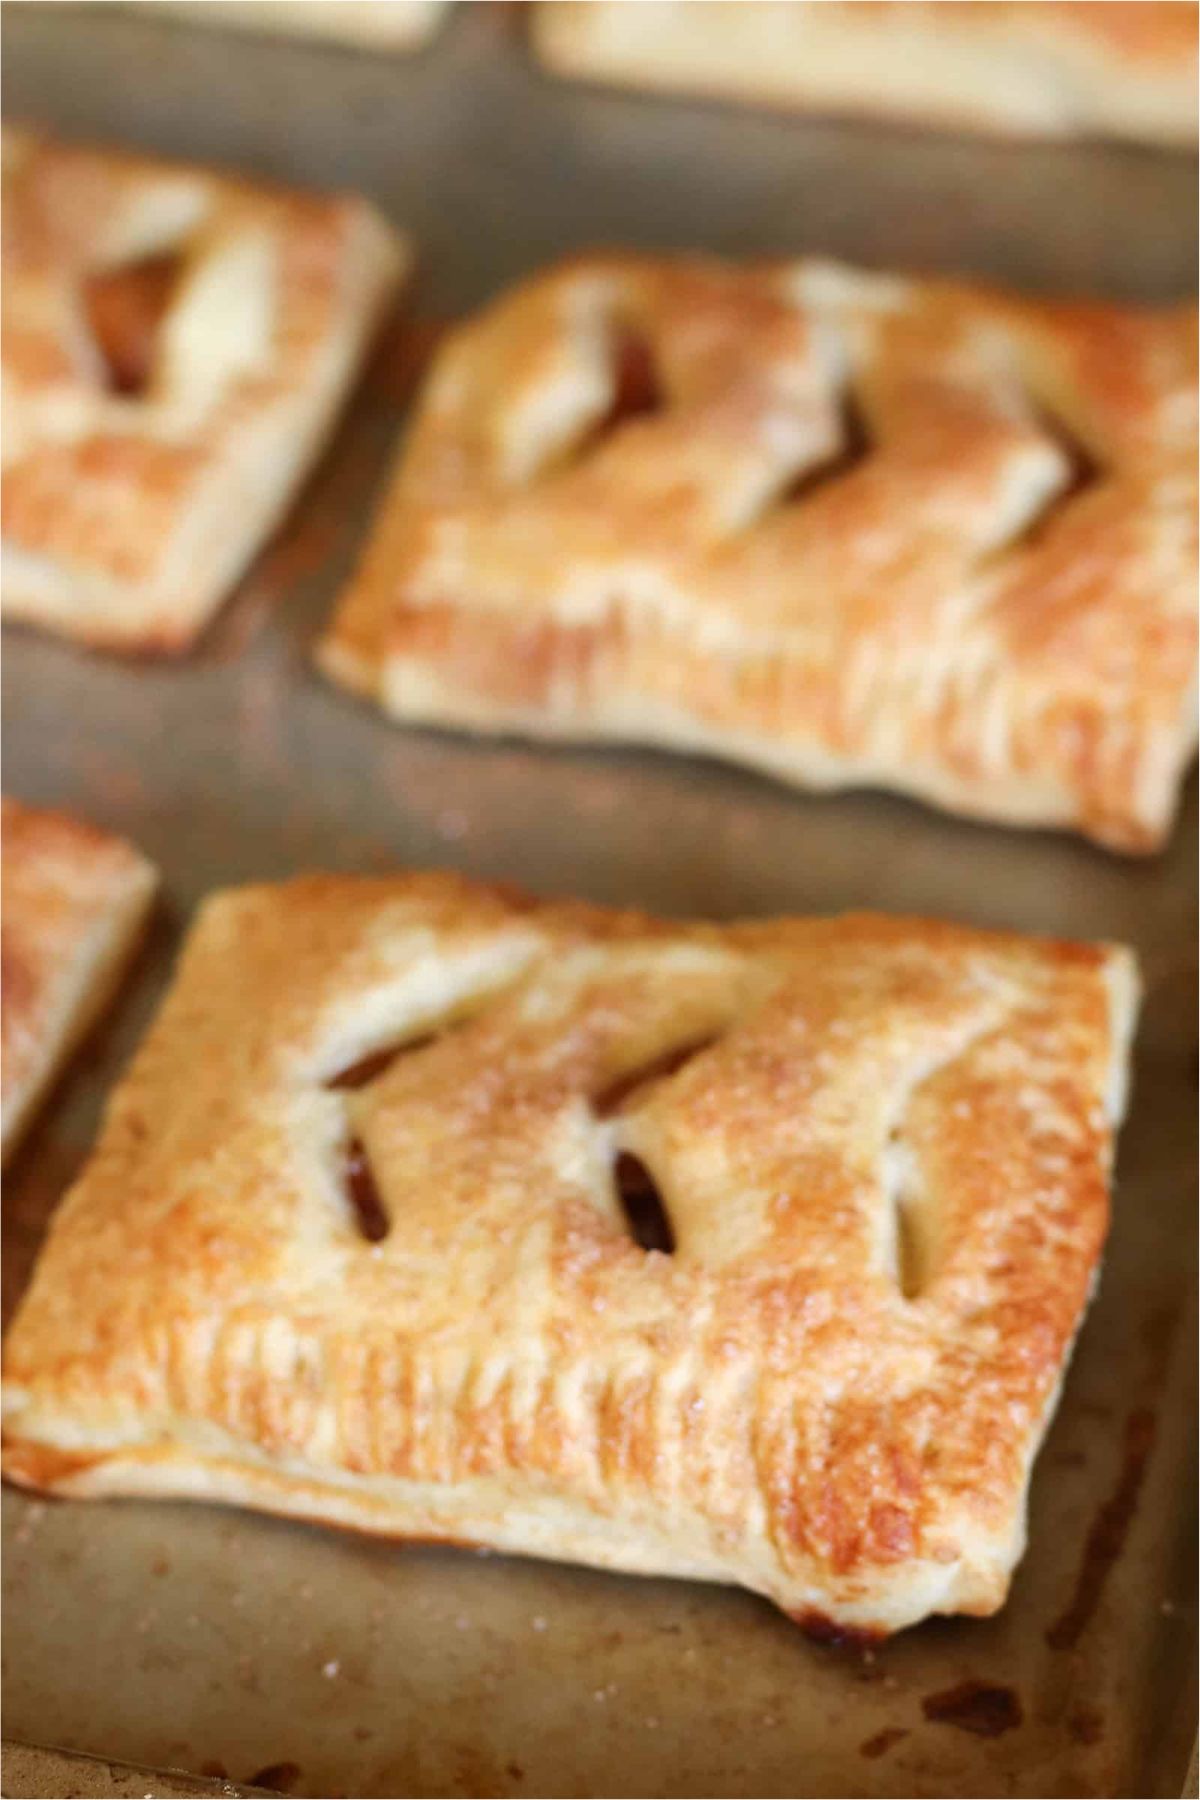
750 1253
177 344
75 900
853 529
1056 69
366 24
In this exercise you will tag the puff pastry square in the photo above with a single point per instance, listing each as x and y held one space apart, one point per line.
1058 68
354 1243
75 900
176 346
365 24
852 529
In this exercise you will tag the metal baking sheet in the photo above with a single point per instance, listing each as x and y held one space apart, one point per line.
236 1646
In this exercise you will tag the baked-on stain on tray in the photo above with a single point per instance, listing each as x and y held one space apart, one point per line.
883 1741
1106 1538
280 1777
984 1708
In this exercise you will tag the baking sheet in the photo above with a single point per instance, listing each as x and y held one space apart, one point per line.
229 1645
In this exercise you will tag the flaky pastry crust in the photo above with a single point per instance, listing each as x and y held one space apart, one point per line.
130 511
849 528
73 901
1053 69
351 1245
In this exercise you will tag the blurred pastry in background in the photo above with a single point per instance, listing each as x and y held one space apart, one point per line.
852 529
368 24
177 344
75 901
1057 68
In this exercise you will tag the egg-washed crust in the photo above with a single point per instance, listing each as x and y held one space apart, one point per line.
394 25
883 1146
849 528
128 517
1057 69
74 902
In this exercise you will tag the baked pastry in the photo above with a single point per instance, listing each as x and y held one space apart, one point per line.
176 346
75 900
748 1253
366 24
853 529
1061 68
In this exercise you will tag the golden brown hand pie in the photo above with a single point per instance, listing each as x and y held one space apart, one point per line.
367 24
749 1253
74 902
1057 68
849 528
177 344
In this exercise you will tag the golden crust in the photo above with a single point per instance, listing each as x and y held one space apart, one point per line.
883 1146
129 515
74 903
1060 68
850 528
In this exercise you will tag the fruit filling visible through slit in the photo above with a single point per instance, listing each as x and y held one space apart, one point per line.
364 1195
125 310
643 1204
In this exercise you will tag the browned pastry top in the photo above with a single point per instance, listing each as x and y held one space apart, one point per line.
850 527
72 898
174 340
1050 68
353 1241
